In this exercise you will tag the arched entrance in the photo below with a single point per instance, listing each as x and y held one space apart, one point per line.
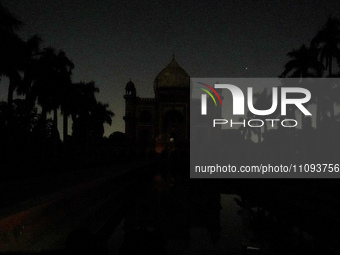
173 125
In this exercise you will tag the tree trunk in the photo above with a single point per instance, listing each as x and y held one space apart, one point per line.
43 134
11 88
259 135
55 136
55 118
65 126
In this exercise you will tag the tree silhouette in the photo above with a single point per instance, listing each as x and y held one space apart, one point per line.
246 131
303 63
83 97
42 77
328 40
53 81
101 115
312 62
11 61
65 66
8 22
83 110
10 41
31 54
263 101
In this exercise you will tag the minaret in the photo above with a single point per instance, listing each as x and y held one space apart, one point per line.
130 110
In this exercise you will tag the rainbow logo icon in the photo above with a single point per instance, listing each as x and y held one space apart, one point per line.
204 97
209 93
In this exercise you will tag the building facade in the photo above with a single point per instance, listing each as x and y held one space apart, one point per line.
165 118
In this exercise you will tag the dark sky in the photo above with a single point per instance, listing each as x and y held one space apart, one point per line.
113 41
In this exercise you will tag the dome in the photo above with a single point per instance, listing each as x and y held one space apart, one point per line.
172 76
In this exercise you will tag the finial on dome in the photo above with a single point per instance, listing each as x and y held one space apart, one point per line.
173 56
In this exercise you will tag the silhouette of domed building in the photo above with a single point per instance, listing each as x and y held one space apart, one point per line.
164 118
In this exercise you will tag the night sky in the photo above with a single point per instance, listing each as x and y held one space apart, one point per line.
113 41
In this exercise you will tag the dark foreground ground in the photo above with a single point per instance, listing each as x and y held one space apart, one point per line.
158 209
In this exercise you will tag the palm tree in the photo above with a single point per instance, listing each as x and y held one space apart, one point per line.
303 63
11 63
101 115
51 84
31 52
31 59
90 126
88 115
45 84
264 101
54 78
65 67
328 40
11 51
83 100
246 131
